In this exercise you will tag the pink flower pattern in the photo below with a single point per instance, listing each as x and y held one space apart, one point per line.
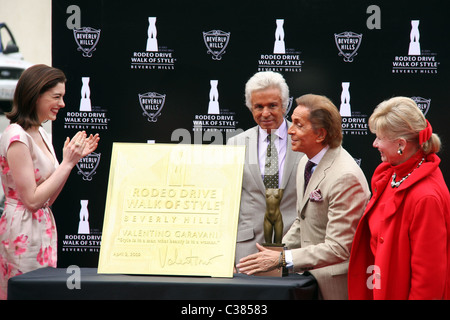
14 138
7 270
27 239
37 175
46 256
49 226
38 215
2 225
4 165
20 244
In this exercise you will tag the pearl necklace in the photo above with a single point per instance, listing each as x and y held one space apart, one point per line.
397 184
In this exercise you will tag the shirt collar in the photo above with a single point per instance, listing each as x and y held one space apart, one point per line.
316 159
281 132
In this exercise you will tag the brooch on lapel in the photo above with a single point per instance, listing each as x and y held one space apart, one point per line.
316 196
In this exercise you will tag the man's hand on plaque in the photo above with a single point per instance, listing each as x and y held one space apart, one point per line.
264 260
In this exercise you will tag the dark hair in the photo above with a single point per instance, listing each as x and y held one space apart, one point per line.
33 82
323 114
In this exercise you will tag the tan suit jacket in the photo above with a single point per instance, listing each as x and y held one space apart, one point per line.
321 236
253 196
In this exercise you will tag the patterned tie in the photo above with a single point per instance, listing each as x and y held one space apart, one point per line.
308 172
271 166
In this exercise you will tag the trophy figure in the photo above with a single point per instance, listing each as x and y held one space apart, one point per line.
414 45
345 109
85 102
213 107
273 221
152 42
176 168
83 225
279 38
273 228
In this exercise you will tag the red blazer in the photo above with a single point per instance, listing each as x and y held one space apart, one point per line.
413 250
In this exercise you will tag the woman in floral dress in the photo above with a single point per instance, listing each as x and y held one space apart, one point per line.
30 173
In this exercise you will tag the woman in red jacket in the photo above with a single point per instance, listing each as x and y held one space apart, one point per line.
401 248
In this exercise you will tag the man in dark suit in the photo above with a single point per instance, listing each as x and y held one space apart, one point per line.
267 97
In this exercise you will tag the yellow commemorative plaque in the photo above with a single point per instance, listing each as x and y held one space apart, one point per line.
172 209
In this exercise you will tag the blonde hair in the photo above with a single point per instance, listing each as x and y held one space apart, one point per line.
400 117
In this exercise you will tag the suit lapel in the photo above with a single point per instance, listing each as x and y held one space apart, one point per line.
288 163
251 141
319 173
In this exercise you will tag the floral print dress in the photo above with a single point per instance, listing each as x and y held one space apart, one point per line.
27 239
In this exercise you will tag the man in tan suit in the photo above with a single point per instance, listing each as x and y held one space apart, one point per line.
329 206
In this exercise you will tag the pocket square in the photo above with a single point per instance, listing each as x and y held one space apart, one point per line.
315 196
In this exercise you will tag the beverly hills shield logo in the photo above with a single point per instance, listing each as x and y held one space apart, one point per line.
86 39
216 42
422 103
152 104
348 44
87 166
289 106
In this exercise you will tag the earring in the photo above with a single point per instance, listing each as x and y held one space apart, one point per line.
400 151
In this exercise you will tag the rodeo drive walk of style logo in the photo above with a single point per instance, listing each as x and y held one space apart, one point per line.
89 116
217 119
353 122
418 61
282 59
155 56
87 239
